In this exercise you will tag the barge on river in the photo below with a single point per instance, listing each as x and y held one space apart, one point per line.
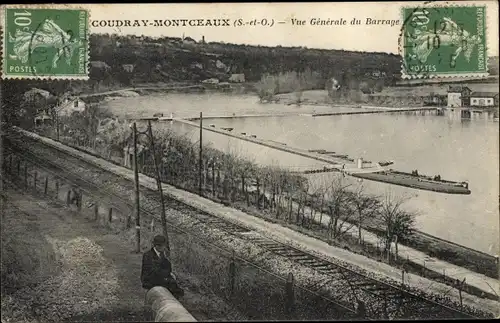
414 180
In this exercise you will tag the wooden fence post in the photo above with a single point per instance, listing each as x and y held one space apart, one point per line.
386 314
258 192
96 211
232 274
361 309
26 176
46 185
68 197
289 294
110 215
213 179
79 200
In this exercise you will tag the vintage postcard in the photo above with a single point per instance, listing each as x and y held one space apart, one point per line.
249 161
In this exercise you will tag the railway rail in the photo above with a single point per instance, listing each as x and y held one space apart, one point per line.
382 299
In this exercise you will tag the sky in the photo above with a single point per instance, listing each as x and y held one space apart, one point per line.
376 38
363 37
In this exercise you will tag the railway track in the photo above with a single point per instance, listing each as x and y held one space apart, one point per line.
382 299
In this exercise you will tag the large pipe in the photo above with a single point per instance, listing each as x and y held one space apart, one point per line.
165 307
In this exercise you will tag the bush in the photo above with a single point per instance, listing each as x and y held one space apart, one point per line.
289 82
27 257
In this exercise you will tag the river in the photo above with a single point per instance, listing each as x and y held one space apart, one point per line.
446 145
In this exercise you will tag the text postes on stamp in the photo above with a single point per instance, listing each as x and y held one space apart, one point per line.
443 41
43 43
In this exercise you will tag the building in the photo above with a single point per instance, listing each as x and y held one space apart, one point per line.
42 117
458 96
237 78
70 105
483 99
435 100
128 68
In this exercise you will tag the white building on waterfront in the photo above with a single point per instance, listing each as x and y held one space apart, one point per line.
483 99
458 96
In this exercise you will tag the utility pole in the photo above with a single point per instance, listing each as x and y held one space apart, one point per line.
136 184
2 206
158 184
200 167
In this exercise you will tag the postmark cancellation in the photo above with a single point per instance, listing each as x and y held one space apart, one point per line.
45 43
443 41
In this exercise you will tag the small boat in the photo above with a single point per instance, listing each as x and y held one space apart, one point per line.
253 136
211 125
386 163
227 129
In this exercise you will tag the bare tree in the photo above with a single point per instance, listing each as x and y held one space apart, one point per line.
366 207
397 222
339 208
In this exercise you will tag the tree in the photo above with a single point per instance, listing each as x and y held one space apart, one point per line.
397 223
366 207
339 208
99 71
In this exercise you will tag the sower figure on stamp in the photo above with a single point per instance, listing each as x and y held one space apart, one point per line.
157 269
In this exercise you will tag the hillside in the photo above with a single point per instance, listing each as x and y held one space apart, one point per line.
171 59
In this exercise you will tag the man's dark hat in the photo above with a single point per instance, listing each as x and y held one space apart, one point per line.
159 240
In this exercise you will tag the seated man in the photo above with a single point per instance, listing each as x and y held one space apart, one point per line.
157 269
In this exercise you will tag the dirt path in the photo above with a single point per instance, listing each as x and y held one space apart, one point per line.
100 276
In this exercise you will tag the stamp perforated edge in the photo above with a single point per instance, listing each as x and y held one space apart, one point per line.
3 30
457 76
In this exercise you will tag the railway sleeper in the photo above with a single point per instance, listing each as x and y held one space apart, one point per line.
303 260
273 247
321 264
329 267
297 254
310 262
287 254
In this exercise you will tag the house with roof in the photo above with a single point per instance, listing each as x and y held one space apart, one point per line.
129 68
483 99
237 78
458 96
69 105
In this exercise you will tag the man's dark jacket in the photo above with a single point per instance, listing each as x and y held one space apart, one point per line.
154 270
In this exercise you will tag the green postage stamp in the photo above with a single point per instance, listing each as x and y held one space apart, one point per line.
443 41
45 43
